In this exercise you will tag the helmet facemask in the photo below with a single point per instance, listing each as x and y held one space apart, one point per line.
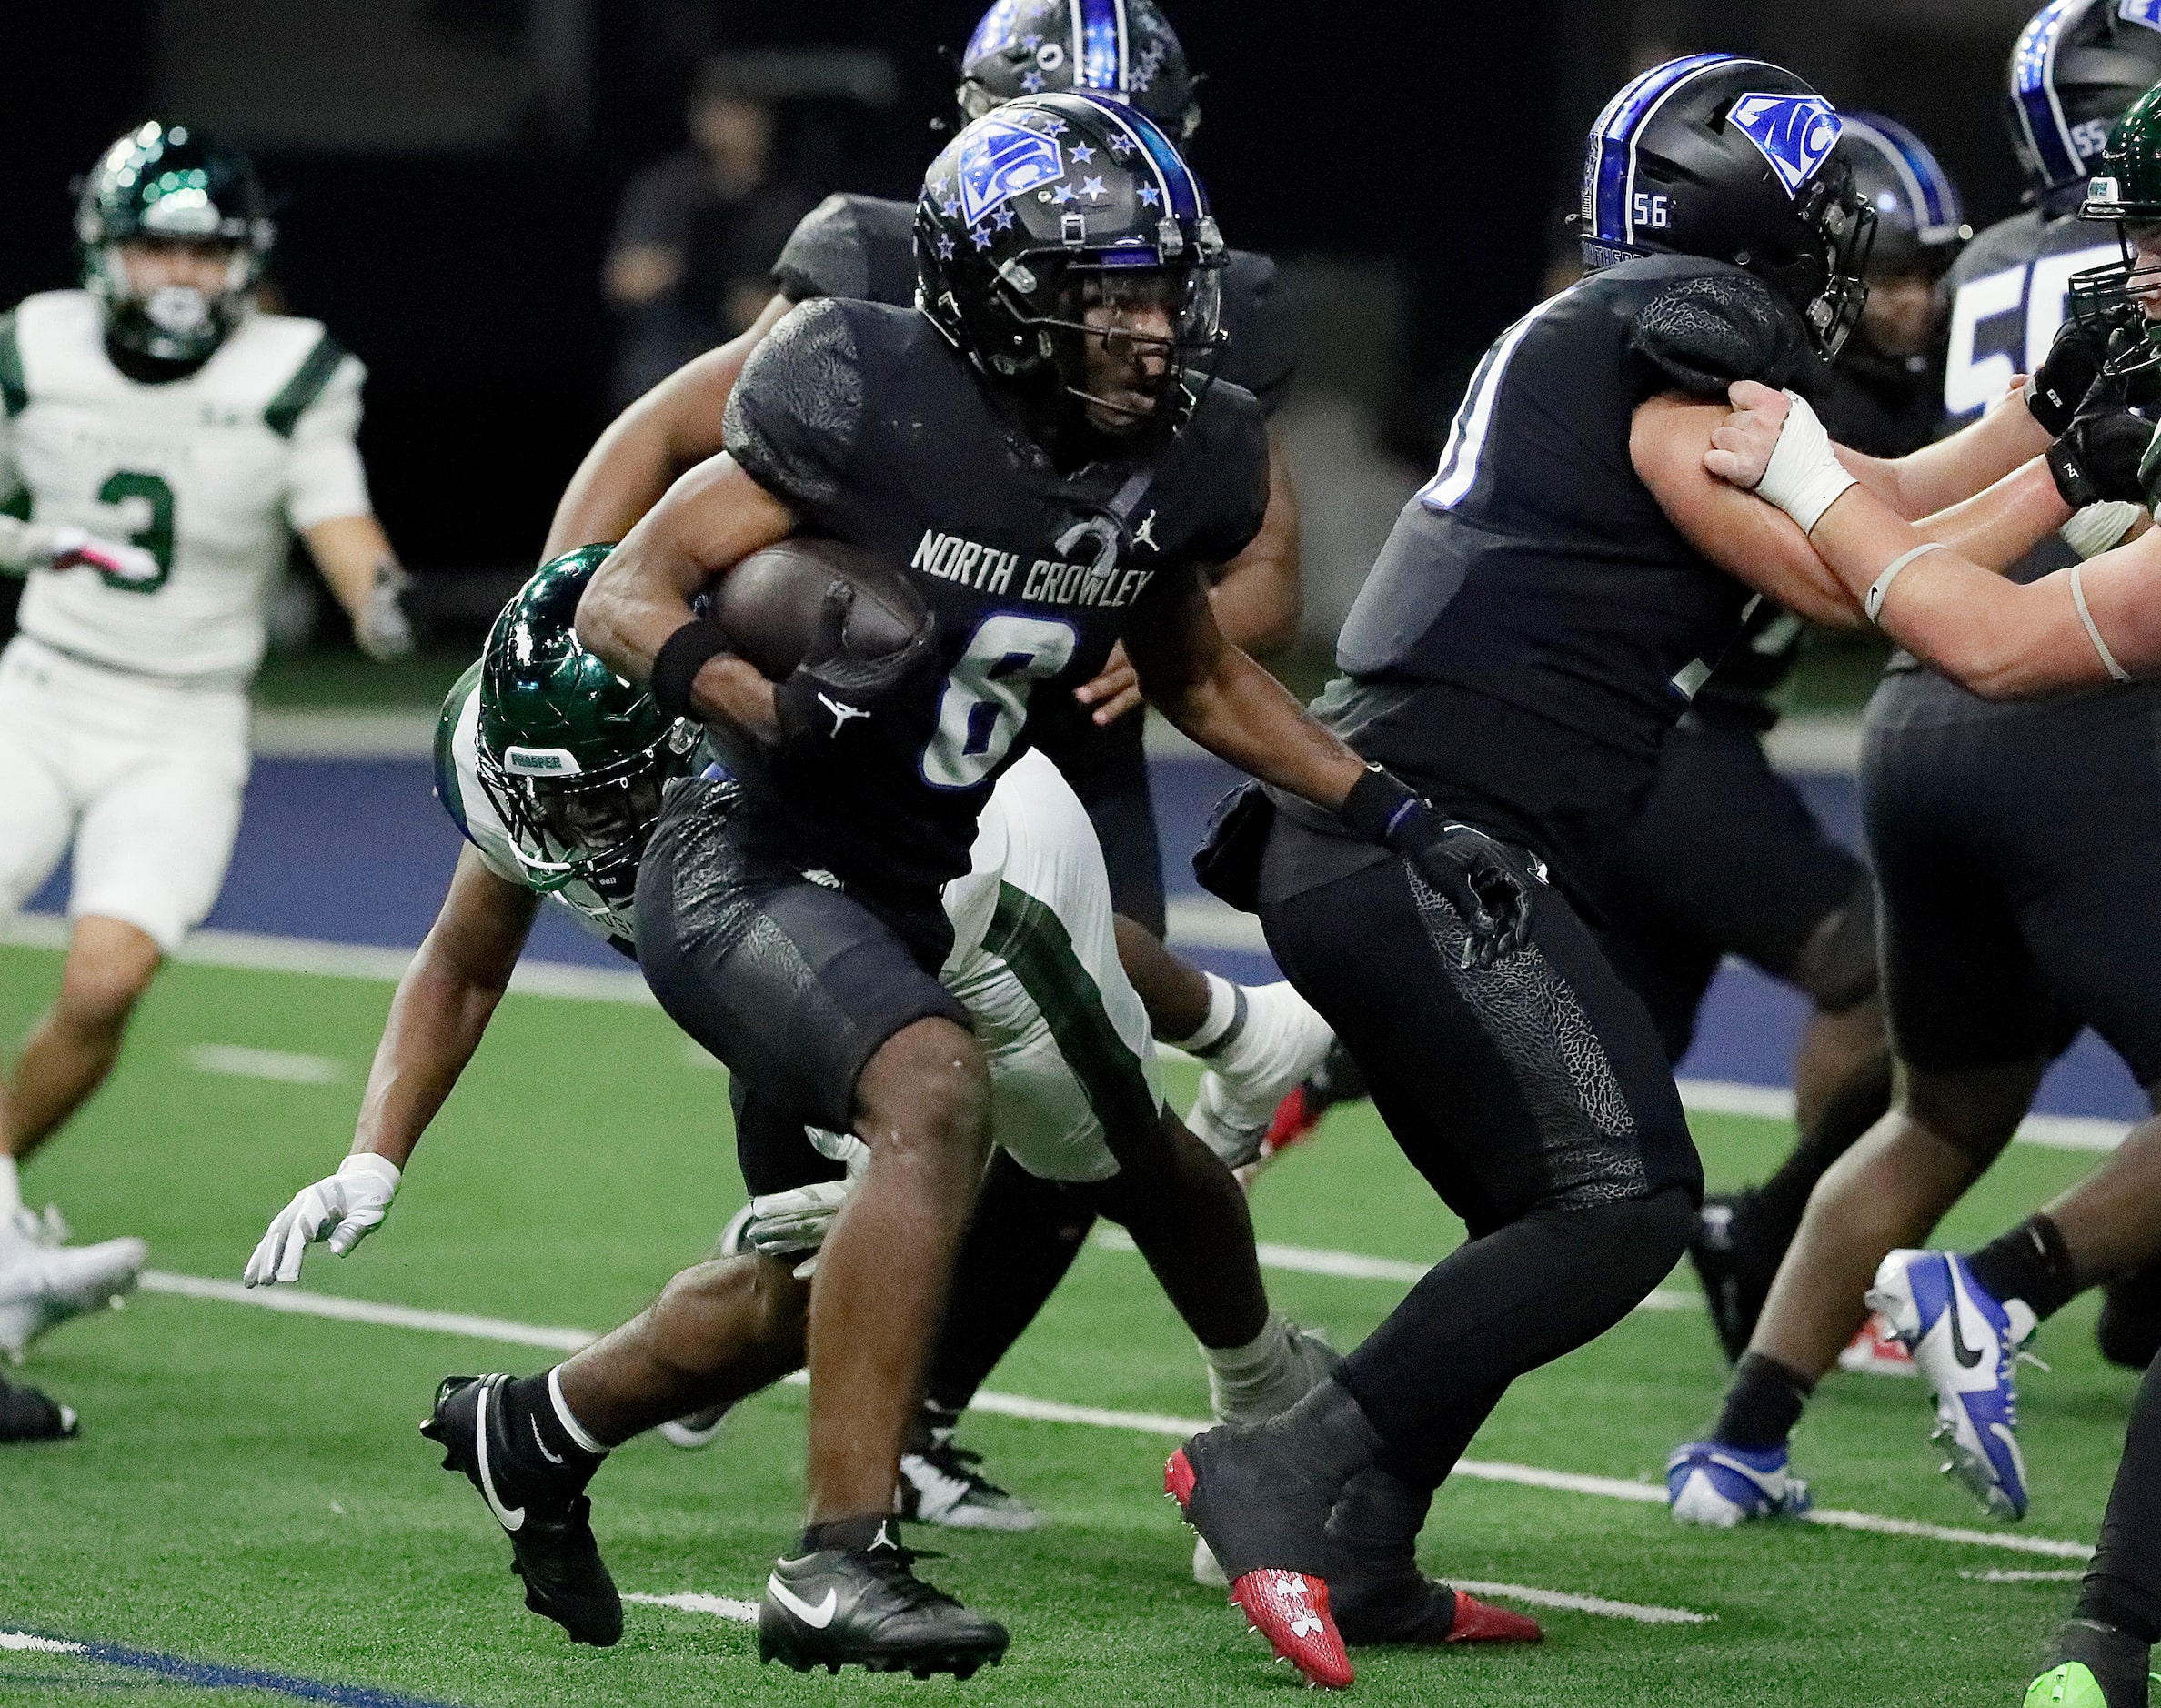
179 325
1097 336
585 828
2118 306
1830 283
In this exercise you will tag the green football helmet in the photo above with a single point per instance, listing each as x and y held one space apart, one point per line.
572 757
174 184
2120 304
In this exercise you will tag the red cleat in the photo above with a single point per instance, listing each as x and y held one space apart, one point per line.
1295 1118
1290 1610
1477 1622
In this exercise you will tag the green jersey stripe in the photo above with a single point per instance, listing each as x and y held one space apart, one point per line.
1032 940
15 392
283 412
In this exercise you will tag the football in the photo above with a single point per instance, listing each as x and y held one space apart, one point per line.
769 605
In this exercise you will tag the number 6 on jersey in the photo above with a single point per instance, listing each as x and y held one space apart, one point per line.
986 695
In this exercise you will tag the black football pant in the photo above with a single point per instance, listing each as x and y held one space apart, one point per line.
1534 1096
2123 1586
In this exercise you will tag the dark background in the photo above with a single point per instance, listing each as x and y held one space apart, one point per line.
1440 138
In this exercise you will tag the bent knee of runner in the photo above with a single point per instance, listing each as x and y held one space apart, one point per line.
1836 967
109 966
925 1094
758 1298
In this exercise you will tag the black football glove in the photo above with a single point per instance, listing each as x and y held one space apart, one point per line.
2058 387
1488 883
831 688
2097 458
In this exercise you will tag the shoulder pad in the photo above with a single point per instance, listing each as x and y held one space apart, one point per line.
1702 334
794 415
282 414
1263 354
15 394
851 246
449 788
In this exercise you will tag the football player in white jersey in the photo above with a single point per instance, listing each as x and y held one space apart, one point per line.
160 439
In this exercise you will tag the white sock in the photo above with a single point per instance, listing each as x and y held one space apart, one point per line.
1226 1014
11 1187
1245 1382
571 1426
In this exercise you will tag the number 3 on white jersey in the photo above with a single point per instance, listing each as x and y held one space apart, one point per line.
986 695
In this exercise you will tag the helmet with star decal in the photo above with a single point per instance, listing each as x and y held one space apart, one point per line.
1058 220
1123 49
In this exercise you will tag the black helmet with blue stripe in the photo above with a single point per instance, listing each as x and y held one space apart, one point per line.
2077 67
1052 204
1735 160
1124 50
1921 223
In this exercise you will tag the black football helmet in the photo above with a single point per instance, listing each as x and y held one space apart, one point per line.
1124 50
2077 67
1921 224
1736 160
1047 206
176 183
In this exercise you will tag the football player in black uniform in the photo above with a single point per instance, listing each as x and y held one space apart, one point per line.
1534 625
1042 450
1726 858
1258 1042
2012 842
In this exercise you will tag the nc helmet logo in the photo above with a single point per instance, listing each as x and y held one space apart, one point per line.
2146 12
1001 160
1795 133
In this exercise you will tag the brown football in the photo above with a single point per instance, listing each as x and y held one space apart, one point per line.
769 605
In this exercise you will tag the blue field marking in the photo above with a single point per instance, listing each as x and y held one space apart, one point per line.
357 851
209 1675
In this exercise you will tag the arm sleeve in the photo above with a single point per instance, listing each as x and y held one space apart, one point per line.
796 414
1700 335
324 476
1263 354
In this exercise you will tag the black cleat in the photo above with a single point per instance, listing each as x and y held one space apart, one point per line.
28 1415
551 1535
1736 1281
863 1607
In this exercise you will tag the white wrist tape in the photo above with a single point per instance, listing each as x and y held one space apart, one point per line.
1873 605
2099 527
2116 671
1803 478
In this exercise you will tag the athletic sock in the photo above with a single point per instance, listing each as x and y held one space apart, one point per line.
2123 1586
2032 1264
934 1426
1248 1384
1226 1018
548 1441
1763 1405
848 1535
10 1188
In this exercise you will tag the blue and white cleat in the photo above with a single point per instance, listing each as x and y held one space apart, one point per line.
1709 1482
1966 1345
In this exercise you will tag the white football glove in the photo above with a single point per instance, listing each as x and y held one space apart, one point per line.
27 545
385 631
345 1208
791 1223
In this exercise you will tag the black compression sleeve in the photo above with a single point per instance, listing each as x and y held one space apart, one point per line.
682 656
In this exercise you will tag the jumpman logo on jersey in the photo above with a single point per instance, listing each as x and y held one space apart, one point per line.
1144 535
841 713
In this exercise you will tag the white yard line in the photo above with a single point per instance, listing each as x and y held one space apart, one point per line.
241 1061
298 1303
1772 1102
38 1645
2023 1577
697 1601
1598 1604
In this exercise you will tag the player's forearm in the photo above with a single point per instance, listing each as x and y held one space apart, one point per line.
351 551
1939 476
1257 599
436 1020
1245 716
1997 527
2001 641
671 430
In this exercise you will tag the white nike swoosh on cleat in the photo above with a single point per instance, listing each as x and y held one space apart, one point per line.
818 1618
508 1517
553 1459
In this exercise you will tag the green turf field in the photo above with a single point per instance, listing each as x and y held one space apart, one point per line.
248 1489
